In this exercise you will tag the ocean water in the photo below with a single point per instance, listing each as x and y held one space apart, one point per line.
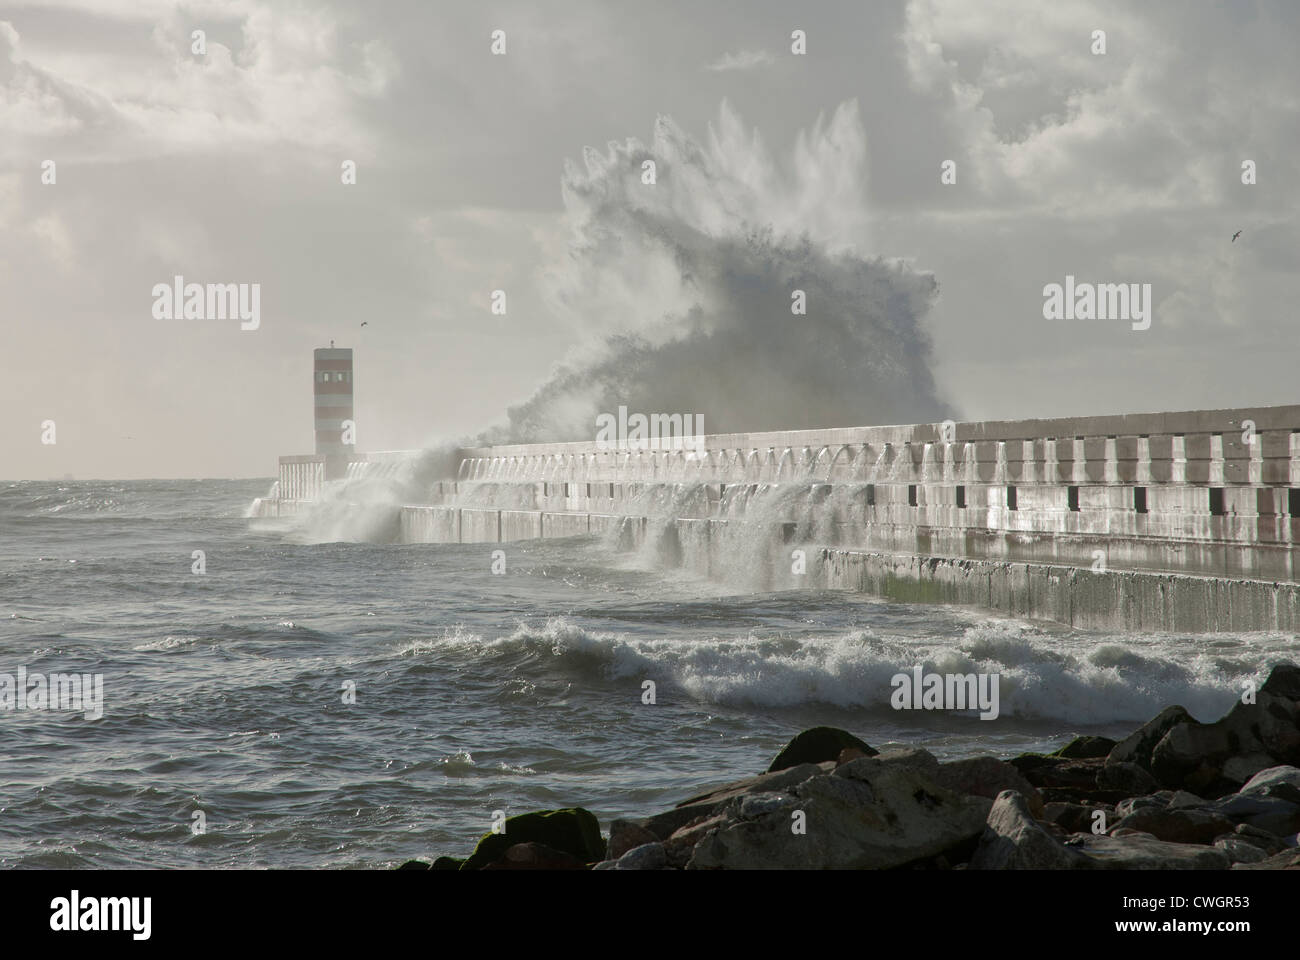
224 693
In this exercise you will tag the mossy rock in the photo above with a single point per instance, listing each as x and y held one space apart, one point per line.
414 865
1033 761
817 745
448 863
574 831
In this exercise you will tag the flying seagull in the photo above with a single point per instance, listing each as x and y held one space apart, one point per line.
364 322
1235 236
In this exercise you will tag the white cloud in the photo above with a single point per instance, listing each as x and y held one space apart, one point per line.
286 86
1153 124
743 60
52 237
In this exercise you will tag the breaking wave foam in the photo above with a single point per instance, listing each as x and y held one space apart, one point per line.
1043 676
670 284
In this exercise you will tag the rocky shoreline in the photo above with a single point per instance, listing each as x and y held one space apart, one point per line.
1176 794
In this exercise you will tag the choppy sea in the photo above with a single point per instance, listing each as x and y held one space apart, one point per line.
360 704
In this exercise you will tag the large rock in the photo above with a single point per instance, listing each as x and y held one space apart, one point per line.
1127 778
1187 825
1138 746
573 831
1270 843
1283 681
1286 860
772 781
1086 748
1027 762
871 813
1281 781
1277 816
1139 852
1160 799
702 806
1210 757
650 856
1079 775
625 835
1241 768
1191 755
1080 781
988 777
1077 817
681 845
818 745
535 856
1014 840
1241 851
1217 758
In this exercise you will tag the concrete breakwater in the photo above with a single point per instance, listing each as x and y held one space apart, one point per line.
1176 794
1078 596
1175 521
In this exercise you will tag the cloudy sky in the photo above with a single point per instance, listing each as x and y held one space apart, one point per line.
521 172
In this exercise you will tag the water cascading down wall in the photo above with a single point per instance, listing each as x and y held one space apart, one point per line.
1174 521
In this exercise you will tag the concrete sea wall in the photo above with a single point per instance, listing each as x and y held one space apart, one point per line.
1173 521
1133 601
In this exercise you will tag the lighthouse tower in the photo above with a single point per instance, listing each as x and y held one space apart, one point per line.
332 393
